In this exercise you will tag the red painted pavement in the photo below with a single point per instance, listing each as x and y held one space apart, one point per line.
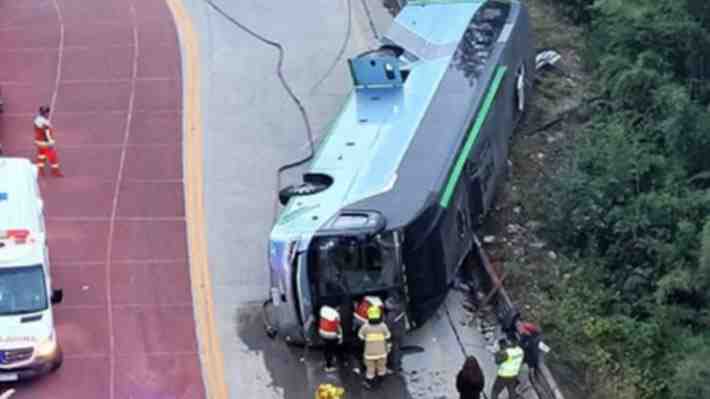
116 222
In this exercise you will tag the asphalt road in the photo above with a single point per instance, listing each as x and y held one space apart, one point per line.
251 128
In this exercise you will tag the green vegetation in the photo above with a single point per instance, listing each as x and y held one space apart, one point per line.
629 209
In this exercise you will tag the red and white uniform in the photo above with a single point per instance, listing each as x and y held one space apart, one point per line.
44 140
364 305
329 325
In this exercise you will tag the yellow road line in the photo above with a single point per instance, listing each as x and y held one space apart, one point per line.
211 354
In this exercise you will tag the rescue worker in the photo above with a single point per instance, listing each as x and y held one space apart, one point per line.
509 360
375 335
44 140
395 319
328 391
359 320
362 308
331 332
530 337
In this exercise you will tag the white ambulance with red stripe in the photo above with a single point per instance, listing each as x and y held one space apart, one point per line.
28 340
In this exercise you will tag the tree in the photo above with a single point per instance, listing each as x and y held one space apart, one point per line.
704 264
630 210
692 377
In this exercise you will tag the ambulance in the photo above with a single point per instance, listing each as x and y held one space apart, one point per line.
28 339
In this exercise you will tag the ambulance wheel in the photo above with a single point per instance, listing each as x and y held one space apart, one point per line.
57 363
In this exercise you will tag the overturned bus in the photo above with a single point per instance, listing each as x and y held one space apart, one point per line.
391 199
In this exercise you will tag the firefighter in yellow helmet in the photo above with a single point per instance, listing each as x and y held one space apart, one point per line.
375 334
328 391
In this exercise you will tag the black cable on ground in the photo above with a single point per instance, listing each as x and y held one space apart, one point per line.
341 51
286 86
456 332
369 19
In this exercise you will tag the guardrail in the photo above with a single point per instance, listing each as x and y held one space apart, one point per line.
488 282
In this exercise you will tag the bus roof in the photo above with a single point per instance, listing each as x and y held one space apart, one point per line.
369 138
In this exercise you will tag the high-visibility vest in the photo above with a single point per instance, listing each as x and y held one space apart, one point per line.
364 306
375 337
329 324
511 366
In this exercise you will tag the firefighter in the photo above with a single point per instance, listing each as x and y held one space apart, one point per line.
44 140
375 334
359 320
328 391
509 360
331 332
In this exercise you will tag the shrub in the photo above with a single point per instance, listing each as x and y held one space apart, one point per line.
630 208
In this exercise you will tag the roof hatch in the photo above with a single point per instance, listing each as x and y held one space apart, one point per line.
378 69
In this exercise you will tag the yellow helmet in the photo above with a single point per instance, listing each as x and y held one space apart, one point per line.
374 313
328 391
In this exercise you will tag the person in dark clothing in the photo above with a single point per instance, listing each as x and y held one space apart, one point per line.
470 381
396 321
347 308
530 337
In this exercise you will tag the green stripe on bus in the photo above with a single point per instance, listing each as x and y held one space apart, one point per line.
472 135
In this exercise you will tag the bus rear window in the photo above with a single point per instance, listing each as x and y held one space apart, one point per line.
348 264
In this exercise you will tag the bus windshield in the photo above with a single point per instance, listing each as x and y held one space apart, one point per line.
351 265
22 290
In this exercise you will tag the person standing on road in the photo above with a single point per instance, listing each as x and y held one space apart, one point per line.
44 140
395 321
470 381
530 337
331 332
375 334
509 360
